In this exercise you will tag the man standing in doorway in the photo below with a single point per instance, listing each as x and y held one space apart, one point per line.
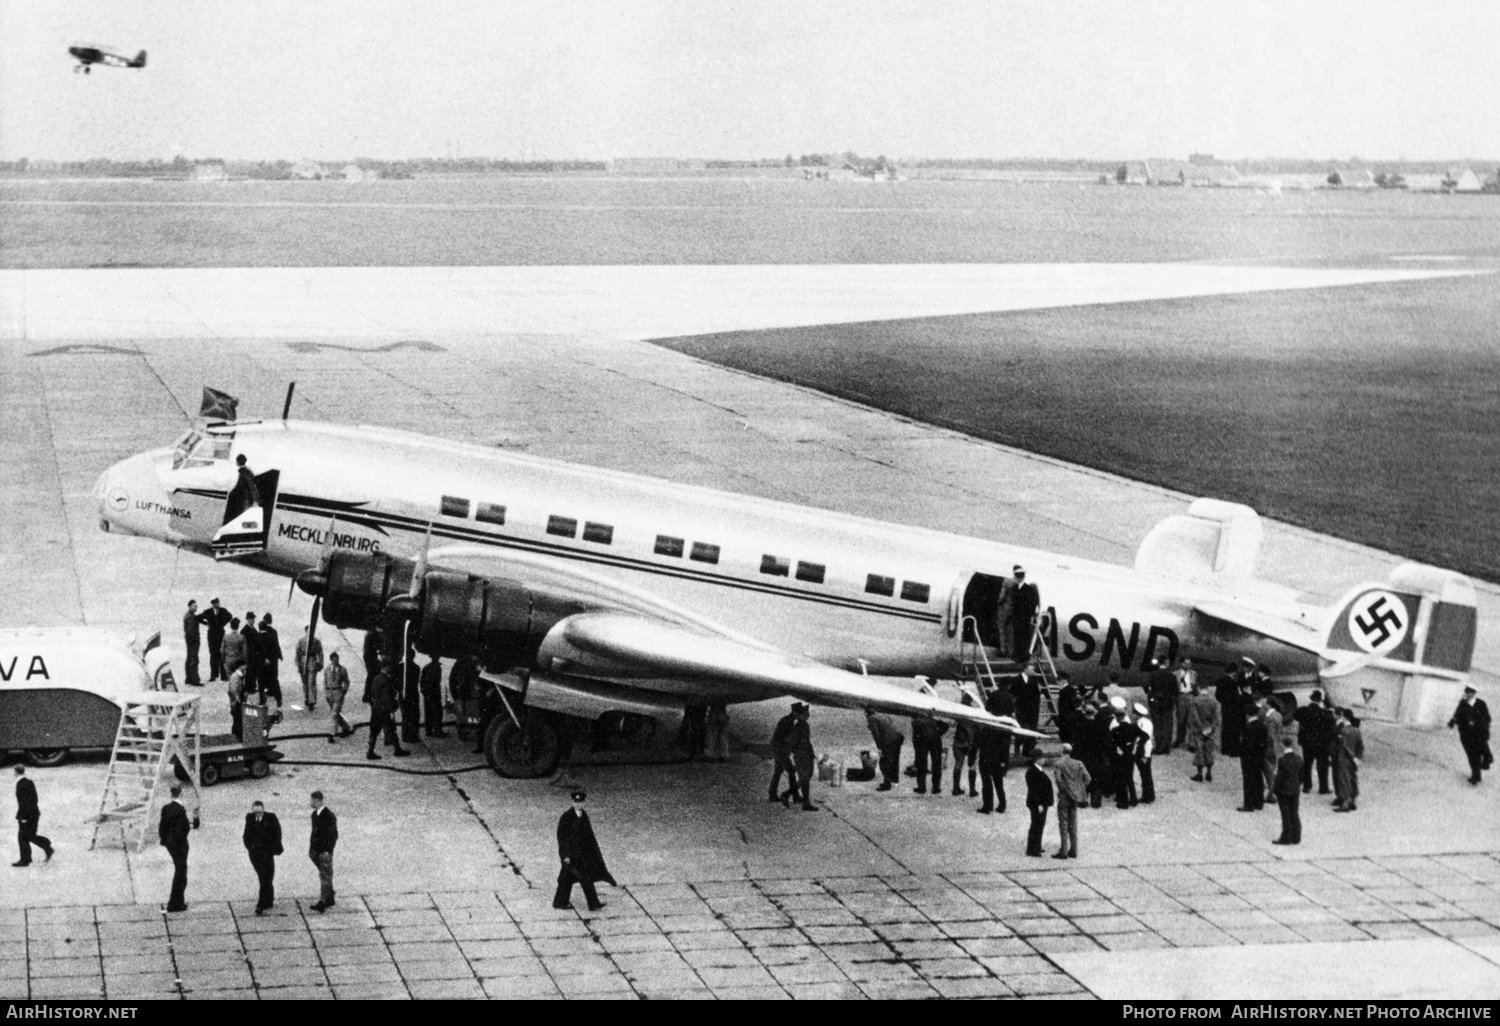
1023 620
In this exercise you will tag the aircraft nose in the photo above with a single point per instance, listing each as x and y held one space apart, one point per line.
124 491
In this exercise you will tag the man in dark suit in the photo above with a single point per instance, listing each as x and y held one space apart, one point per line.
1024 606
781 755
1315 731
251 634
191 621
994 754
172 831
582 862
263 842
28 815
411 698
1039 797
320 844
1253 744
927 738
270 661
1472 718
1287 787
216 618
380 692
431 684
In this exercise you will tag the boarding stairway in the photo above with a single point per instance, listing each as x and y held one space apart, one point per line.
158 733
975 667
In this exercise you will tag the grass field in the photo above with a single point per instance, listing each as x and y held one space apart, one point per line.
1372 413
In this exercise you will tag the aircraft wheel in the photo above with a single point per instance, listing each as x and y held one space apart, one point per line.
46 756
526 752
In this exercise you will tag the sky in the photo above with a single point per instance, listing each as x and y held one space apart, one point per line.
593 79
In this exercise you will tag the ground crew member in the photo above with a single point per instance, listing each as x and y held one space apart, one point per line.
1287 787
172 831
190 623
320 845
1073 789
1038 801
309 663
28 816
888 741
411 698
380 692
216 618
802 754
994 755
927 738
431 684
232 648
965 749
781 753
582 861
1202 732
262 839
335 690
1472 718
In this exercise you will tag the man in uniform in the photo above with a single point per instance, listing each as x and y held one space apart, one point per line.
1315 731
994 754
1287 787
270 662
1038 801
380 692
172 831
1145 748
781 753
1472 718
411 698
582 861
1161 696
216 618
262 840
1253 745
927 739
191 620
888 741
335 690
309 663
1073 790
320 845
431 685
1202 732
28 816
1125 742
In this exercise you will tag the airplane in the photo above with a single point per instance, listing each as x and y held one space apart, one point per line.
91 53
588 592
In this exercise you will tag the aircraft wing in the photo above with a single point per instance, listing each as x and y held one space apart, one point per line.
643 644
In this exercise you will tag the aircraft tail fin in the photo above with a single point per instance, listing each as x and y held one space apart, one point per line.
140 60
1212 538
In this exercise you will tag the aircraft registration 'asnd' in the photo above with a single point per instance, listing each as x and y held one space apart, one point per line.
588 592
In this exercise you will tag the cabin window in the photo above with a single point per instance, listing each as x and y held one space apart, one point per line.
877 585
775 566
455 507
703 552
600 534
490 513
810 572
565 526
666 545
911 591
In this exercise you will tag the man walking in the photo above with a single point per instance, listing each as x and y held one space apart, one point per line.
191 621
216 618
28 817
320 845
1472 718
1202 732
1315 731
927 739
1038 801
270 662
309 654
263 843
781 754
1348 750
582 861
1253 745
335 690
380 692
888 741
172 831
1287 787
1072 792
430 684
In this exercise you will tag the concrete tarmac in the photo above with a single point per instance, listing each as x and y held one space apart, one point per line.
875 895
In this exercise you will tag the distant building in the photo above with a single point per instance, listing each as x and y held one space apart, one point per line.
1464 180
212 171
1187 173
308 169
355 173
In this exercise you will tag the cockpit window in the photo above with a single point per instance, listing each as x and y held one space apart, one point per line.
195 449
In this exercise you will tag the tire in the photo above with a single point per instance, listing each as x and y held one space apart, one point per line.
523 753
208 775
46 756
259 768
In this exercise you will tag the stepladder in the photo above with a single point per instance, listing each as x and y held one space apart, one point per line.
156 745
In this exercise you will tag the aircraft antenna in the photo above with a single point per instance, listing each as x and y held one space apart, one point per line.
287 406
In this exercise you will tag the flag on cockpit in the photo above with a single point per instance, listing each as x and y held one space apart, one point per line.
217 405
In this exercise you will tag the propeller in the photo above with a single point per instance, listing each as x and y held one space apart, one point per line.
314 581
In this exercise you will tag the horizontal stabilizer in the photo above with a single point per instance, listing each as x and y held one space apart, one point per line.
1277 628
669 650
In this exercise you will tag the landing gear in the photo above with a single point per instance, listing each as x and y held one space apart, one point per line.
531 750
